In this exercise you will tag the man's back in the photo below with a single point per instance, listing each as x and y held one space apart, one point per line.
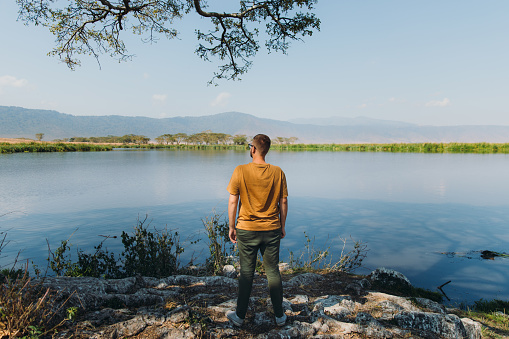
260 188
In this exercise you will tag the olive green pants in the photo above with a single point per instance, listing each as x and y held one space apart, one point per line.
249 242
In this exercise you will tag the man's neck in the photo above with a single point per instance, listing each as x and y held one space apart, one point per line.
259 160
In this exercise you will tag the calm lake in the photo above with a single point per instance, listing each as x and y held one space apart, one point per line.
408 208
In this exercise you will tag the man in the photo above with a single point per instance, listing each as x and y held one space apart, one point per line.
262 190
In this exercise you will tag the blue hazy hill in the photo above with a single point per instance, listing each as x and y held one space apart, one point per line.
16 122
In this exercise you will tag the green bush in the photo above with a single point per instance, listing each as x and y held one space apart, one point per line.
153 254
146 252
494 305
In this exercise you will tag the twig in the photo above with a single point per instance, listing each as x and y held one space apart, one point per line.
440 288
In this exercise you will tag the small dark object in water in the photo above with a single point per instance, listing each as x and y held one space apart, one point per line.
489 255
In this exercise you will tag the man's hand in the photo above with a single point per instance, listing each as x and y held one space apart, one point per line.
283 232
233 235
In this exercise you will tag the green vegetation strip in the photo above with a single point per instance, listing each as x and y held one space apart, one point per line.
186 147
49 147
402 148
481 148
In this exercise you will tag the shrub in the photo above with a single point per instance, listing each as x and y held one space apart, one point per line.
221 249
312 259
99 264
494 305
146 252
154 254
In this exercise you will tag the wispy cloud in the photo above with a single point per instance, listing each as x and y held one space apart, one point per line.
159 97
363 106
438 103
10 81
221 99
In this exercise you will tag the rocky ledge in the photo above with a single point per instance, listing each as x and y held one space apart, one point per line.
317 306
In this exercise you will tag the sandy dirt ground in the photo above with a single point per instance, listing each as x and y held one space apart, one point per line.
16 141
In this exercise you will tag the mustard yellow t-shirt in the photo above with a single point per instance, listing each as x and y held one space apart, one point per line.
260 188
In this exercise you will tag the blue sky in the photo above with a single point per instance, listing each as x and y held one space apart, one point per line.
425 62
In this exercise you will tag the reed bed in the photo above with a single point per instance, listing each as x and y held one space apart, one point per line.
401 148
481 148
52 147
186 147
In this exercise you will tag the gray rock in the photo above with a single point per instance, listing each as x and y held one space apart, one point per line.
225 306
196 281
224 332
336 306
142 313
473 328
283 267
262 319
388 309
445 325
295 330
354 288
179 314
287 305
303 280
170 333
431 305
299 299
339 327
200 296
402 302
229 271
390 278
129 328
363 318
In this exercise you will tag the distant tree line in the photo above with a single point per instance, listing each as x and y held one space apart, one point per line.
284 141
203 138
210 138
110 139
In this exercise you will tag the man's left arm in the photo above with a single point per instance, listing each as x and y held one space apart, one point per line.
283 211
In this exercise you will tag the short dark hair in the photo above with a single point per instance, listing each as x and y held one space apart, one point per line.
262 143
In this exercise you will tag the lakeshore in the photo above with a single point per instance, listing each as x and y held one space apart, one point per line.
338 305
26 145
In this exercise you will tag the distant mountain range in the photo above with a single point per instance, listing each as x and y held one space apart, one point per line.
16 122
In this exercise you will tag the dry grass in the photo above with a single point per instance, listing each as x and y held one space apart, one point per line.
28 309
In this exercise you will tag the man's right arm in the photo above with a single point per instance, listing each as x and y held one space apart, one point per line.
283 211
232 214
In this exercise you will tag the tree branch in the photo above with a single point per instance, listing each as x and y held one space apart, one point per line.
94 27
200 11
